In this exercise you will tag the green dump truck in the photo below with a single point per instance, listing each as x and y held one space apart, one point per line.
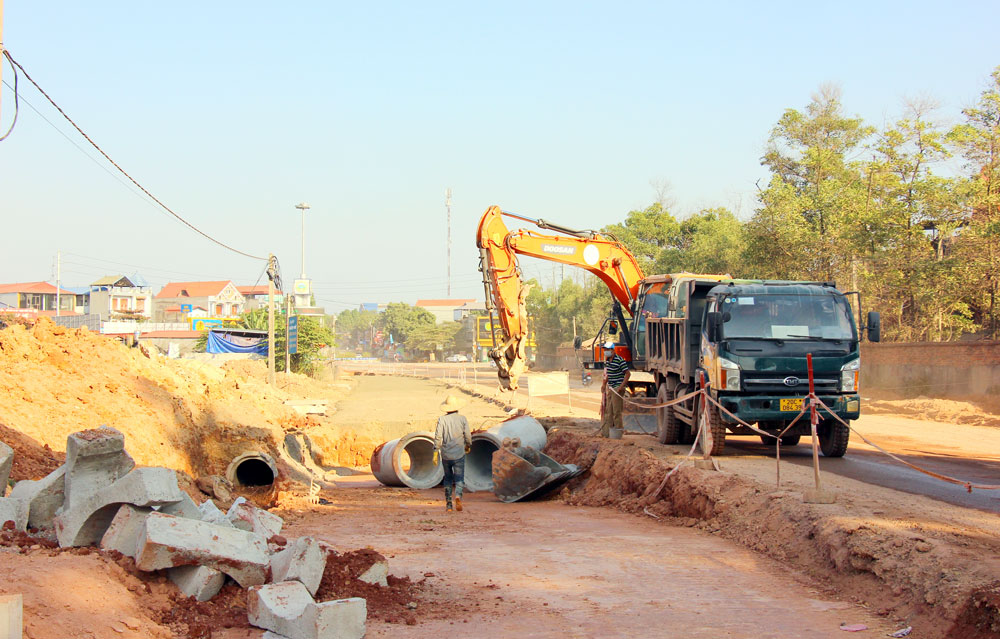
749 341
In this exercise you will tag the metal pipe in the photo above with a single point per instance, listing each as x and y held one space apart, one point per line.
389 467
479 461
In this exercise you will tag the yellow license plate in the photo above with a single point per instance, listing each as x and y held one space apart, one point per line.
791 404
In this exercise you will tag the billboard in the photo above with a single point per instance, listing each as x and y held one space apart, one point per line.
484 337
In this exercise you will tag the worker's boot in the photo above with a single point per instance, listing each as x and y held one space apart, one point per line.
458 500
447 500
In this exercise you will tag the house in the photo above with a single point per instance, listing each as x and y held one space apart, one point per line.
37 296
211 302
444 310
117 297
256 297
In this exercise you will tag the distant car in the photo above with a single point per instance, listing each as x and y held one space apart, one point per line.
456 358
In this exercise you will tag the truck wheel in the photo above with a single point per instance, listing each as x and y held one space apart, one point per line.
787 440
833 438
668 427
718 429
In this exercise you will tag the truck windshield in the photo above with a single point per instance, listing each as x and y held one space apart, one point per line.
787 317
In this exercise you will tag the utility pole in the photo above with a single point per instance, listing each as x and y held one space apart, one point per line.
58 273
302 206
288 350
1 40
447 205
270 319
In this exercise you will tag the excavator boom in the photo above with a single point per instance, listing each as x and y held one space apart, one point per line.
506 293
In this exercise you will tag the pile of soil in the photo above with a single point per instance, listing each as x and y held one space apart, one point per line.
931 574
183 414
395 603
31 460
948 411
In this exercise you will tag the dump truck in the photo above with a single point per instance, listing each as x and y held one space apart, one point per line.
747 341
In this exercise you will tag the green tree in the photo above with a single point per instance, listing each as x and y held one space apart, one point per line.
978 140
432 338
646 233
400 320
353 325
712 241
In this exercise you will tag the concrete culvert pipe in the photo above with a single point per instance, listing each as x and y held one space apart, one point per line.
408 461
479 461
252 469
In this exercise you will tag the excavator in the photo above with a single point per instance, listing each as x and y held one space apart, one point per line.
506 292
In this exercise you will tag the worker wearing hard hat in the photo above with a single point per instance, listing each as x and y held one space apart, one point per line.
452 440
616 375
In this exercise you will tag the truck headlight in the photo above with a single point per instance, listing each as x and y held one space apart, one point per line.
849 374
729 375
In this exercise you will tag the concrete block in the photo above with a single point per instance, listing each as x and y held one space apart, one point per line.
45 497
85 523
183 508
377 573
200 582
211 513
95 459
246 516
6 462
169 542
11 616
15 510
126 530
303 561
287 608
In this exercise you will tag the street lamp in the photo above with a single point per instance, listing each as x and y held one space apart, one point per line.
302 206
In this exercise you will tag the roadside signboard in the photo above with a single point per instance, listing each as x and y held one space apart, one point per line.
293 334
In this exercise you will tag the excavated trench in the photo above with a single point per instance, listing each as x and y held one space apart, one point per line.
936 584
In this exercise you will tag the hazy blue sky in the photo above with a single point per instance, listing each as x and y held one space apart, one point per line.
231 113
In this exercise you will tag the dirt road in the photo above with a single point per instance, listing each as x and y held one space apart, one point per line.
546 569
963 450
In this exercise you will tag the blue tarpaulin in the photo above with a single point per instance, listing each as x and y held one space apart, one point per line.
224 343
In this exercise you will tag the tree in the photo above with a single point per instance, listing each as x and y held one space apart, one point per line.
712 241
354 325
646 233
978 139
400 320
432 338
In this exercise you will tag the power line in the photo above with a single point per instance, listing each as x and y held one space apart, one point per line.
17 107
108 158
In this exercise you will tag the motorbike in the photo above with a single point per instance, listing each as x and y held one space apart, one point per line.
586 378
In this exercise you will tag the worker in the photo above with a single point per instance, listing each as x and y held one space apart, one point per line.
452 441
616 376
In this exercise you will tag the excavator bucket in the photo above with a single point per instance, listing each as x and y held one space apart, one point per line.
523 473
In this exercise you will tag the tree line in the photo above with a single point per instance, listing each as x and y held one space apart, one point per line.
907 214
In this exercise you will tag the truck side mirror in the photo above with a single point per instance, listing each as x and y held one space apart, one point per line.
714 325
874 326
613 327
577 342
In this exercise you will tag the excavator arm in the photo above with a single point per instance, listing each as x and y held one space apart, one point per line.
506 293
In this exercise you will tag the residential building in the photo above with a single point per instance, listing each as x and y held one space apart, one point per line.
117 297
444 310
182 301
256 297
38 296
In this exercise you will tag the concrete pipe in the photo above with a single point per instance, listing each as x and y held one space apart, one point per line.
479 461
252 469
408 461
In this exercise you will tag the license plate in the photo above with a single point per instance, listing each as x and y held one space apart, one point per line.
791 404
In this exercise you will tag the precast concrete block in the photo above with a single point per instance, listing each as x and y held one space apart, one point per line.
246 516
125 530
184 508
6 462
341 618
287 608
211 513
11 616
45 497
169 542
200 582
85 523
377 573
95 459
15 510
303 561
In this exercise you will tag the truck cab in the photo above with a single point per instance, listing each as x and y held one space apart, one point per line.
749 340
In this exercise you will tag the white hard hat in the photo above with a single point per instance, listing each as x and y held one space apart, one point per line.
609 346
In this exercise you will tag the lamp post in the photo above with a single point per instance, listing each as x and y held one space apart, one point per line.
302 206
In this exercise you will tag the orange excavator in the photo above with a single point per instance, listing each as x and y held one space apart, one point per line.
506 292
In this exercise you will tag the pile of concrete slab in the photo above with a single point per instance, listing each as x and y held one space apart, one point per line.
99 498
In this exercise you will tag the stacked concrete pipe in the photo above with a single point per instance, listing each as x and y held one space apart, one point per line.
479 461
386 463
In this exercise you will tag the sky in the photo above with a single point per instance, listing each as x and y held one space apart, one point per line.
231 113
